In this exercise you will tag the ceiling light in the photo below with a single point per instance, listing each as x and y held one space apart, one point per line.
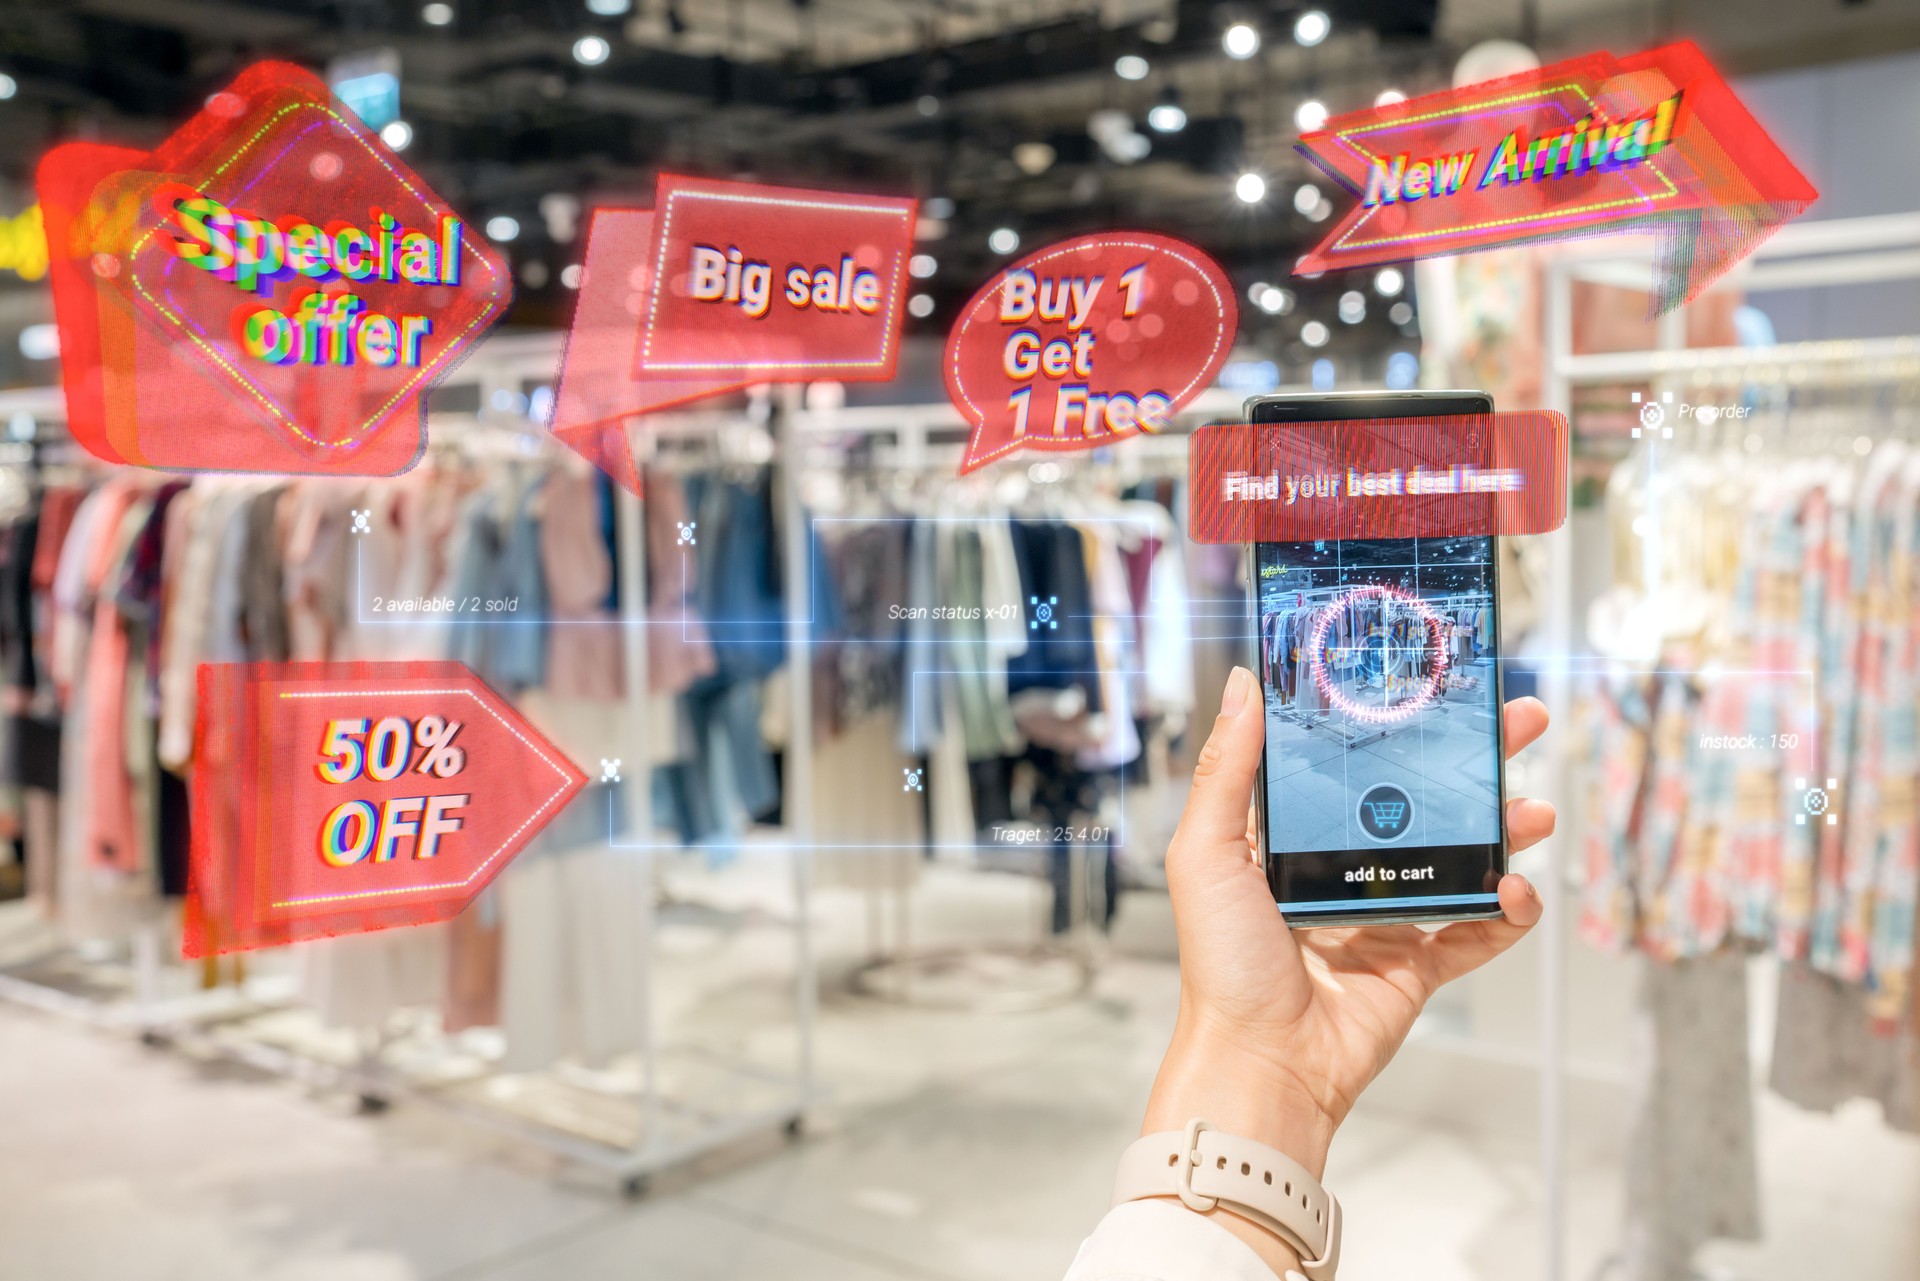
1388 97
1274 300
1240 41
921 305
938 207
1314 334
1004 240
1033 158
591 51
396 134
1255 289
1167 117
1250 187
922 266
1311 27
437 15
1353 307
502 228
609 8
1400 313
570 275
1322 375
1388 281
1307 198
1130 66
1310 115
40 342
928 105
8 85
1322 211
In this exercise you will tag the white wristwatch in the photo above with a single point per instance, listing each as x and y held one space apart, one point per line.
1206 1168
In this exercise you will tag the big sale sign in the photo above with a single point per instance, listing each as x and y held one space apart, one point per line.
722 285
271 289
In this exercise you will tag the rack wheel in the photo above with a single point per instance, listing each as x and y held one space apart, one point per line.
373 1104
795 1128
635 1186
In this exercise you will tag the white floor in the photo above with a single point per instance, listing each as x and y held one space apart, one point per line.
954 1148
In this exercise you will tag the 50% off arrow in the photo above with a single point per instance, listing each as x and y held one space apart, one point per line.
355 749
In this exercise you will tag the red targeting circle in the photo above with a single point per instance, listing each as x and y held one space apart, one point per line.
1424 693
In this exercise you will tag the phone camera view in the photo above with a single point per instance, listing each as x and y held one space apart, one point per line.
1378 663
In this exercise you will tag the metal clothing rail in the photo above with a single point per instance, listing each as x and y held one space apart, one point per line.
1833 253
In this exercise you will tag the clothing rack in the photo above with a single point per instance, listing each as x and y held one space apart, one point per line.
930 440
670 1132
1836 252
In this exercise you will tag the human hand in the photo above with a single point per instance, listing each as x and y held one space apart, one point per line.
1279 1032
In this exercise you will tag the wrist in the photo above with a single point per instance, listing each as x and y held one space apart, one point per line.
1239 1093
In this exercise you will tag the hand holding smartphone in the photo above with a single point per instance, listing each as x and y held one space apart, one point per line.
1382 788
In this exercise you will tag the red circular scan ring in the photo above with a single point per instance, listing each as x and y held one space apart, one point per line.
1424 693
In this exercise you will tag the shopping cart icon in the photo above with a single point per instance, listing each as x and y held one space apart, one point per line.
1385 812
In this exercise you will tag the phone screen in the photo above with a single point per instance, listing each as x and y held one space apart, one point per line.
1382 781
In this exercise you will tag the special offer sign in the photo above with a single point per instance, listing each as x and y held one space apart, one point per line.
1087 342
271 289
721 285
335 798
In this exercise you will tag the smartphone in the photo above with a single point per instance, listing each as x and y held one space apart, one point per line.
1382 793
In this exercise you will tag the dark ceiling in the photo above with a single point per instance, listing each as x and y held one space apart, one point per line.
931 97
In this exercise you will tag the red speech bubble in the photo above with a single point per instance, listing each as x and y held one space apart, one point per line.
1464 474
337 798
1087 342
270 289
722 285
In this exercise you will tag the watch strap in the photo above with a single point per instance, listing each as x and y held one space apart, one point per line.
1206 1169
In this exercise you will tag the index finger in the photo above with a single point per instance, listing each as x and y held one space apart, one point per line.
1525 720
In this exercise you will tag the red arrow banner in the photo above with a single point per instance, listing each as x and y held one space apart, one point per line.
337 798
1654 142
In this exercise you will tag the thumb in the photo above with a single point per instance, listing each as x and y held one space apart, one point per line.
1214 824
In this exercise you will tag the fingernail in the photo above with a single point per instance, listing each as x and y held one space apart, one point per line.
1239 685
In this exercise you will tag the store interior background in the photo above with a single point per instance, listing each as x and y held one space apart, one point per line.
942 1144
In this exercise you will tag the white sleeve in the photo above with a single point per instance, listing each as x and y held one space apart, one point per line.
1162 1241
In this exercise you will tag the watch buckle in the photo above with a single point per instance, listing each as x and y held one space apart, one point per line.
1189 1161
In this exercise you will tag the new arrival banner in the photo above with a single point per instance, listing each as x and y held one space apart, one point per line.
336 798
1088 342
1653 142
722 285
271 289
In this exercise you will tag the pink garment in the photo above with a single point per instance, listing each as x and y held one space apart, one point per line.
583 646
110 839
